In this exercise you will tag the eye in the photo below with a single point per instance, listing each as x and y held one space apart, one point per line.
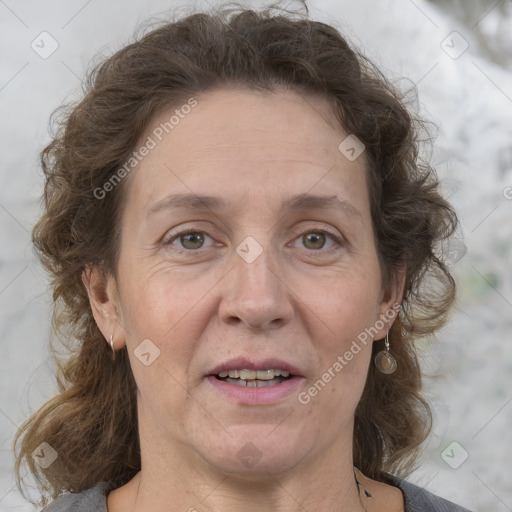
315 240
189 240
192 240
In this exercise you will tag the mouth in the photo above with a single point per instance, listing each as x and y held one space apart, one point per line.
255 382
254 378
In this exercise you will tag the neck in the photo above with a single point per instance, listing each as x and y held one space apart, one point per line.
324 483
231 494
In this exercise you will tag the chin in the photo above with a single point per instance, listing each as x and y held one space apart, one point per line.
254 455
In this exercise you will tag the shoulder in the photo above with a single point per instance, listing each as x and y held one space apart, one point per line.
89 500
418 499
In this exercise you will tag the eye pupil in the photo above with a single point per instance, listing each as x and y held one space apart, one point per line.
196 240
317 239
314 240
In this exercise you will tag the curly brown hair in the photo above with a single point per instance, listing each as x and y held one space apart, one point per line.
92 422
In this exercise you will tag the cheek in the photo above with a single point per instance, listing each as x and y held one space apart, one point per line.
344 357
158 300
345 311
345 305
160 307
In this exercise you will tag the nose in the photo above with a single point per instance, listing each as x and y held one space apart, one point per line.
256 296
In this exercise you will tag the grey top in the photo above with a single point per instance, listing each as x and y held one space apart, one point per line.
94 500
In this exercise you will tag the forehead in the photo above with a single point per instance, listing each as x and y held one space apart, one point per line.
240 143
254 119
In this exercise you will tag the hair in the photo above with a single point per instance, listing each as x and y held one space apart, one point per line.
92 422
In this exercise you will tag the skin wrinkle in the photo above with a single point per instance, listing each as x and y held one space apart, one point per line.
200 310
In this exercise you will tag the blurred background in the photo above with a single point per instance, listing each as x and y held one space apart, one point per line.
454 61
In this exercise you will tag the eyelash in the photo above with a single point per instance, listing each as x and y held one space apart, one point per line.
338 240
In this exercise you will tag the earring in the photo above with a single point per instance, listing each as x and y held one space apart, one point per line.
112 346
384 361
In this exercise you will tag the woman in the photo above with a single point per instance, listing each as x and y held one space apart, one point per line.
239 232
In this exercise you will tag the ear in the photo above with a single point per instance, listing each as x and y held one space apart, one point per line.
391 301
103 297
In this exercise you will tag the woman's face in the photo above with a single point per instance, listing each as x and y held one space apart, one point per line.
260 276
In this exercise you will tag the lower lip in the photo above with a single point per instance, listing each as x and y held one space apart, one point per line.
253 396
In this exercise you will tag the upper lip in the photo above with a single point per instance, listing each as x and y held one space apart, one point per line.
242 363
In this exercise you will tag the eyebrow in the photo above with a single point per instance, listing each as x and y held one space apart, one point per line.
294 203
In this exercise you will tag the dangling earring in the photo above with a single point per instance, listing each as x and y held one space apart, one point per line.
384 361
112 346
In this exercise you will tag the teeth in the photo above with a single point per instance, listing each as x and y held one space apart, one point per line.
253 374
254 383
